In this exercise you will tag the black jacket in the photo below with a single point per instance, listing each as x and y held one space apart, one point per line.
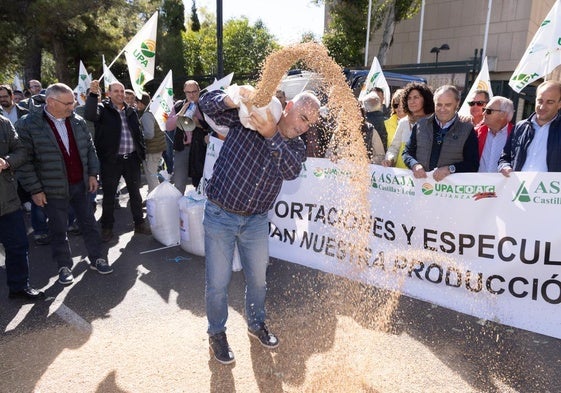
107 123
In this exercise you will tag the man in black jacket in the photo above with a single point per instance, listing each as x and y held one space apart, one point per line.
121 149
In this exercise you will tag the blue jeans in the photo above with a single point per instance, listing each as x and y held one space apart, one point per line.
13 236
222 231
168 154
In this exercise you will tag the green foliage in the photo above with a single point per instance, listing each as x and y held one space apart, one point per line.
68 31
346 33
245 47
195 24
170 37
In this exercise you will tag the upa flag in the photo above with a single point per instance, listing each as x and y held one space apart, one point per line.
221 84
482 82
108 76
543 54
140 53
162 102
374 79
84 81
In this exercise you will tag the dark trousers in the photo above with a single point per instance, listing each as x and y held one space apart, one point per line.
57 212
14 238
111 172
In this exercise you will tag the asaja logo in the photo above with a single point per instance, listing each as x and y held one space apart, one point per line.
543 192
427 188
522 194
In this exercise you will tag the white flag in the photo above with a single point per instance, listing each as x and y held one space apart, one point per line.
140 53
17 83
108 76
83 84
162 102
543 54
221 84
482 82
374 79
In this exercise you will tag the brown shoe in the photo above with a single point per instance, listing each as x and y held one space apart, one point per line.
143 229
106 234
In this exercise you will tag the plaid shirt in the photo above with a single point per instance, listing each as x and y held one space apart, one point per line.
250 169
126 146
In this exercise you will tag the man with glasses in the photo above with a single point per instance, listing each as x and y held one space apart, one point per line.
442 142
36 99
182 149
535 143
476 103
61 170
493 133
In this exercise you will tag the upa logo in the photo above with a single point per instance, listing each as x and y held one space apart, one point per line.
146 52
427 188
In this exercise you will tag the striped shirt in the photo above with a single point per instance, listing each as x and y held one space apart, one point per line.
250 169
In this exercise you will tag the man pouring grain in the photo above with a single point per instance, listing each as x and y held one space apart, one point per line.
259 153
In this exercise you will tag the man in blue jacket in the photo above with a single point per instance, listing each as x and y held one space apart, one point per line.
535 143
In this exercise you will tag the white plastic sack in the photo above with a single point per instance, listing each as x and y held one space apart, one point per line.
192 232
163 212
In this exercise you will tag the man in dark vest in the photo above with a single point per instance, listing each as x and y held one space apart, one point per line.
442 143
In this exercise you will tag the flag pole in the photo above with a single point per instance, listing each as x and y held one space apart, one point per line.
113 62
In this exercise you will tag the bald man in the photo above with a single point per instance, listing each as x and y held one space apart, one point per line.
121 150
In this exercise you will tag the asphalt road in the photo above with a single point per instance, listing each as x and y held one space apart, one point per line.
143 329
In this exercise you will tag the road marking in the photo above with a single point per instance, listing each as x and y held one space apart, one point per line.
19 317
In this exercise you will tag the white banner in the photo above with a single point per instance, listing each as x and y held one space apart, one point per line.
481 244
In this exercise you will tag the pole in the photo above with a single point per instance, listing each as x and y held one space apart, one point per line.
219 47
484 50
421 32
367 33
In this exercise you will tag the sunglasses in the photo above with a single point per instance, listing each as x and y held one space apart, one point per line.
395 106
490 111
478 103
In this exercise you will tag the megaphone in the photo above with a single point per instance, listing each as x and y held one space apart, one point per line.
185 117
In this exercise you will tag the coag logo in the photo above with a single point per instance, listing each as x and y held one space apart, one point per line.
427 189
522 194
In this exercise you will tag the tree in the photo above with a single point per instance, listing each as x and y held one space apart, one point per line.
70 31
170 40
245 47
346 34
396 12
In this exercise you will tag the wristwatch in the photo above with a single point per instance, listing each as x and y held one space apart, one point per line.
452 168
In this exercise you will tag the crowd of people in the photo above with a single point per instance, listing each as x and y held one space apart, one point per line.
56 154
